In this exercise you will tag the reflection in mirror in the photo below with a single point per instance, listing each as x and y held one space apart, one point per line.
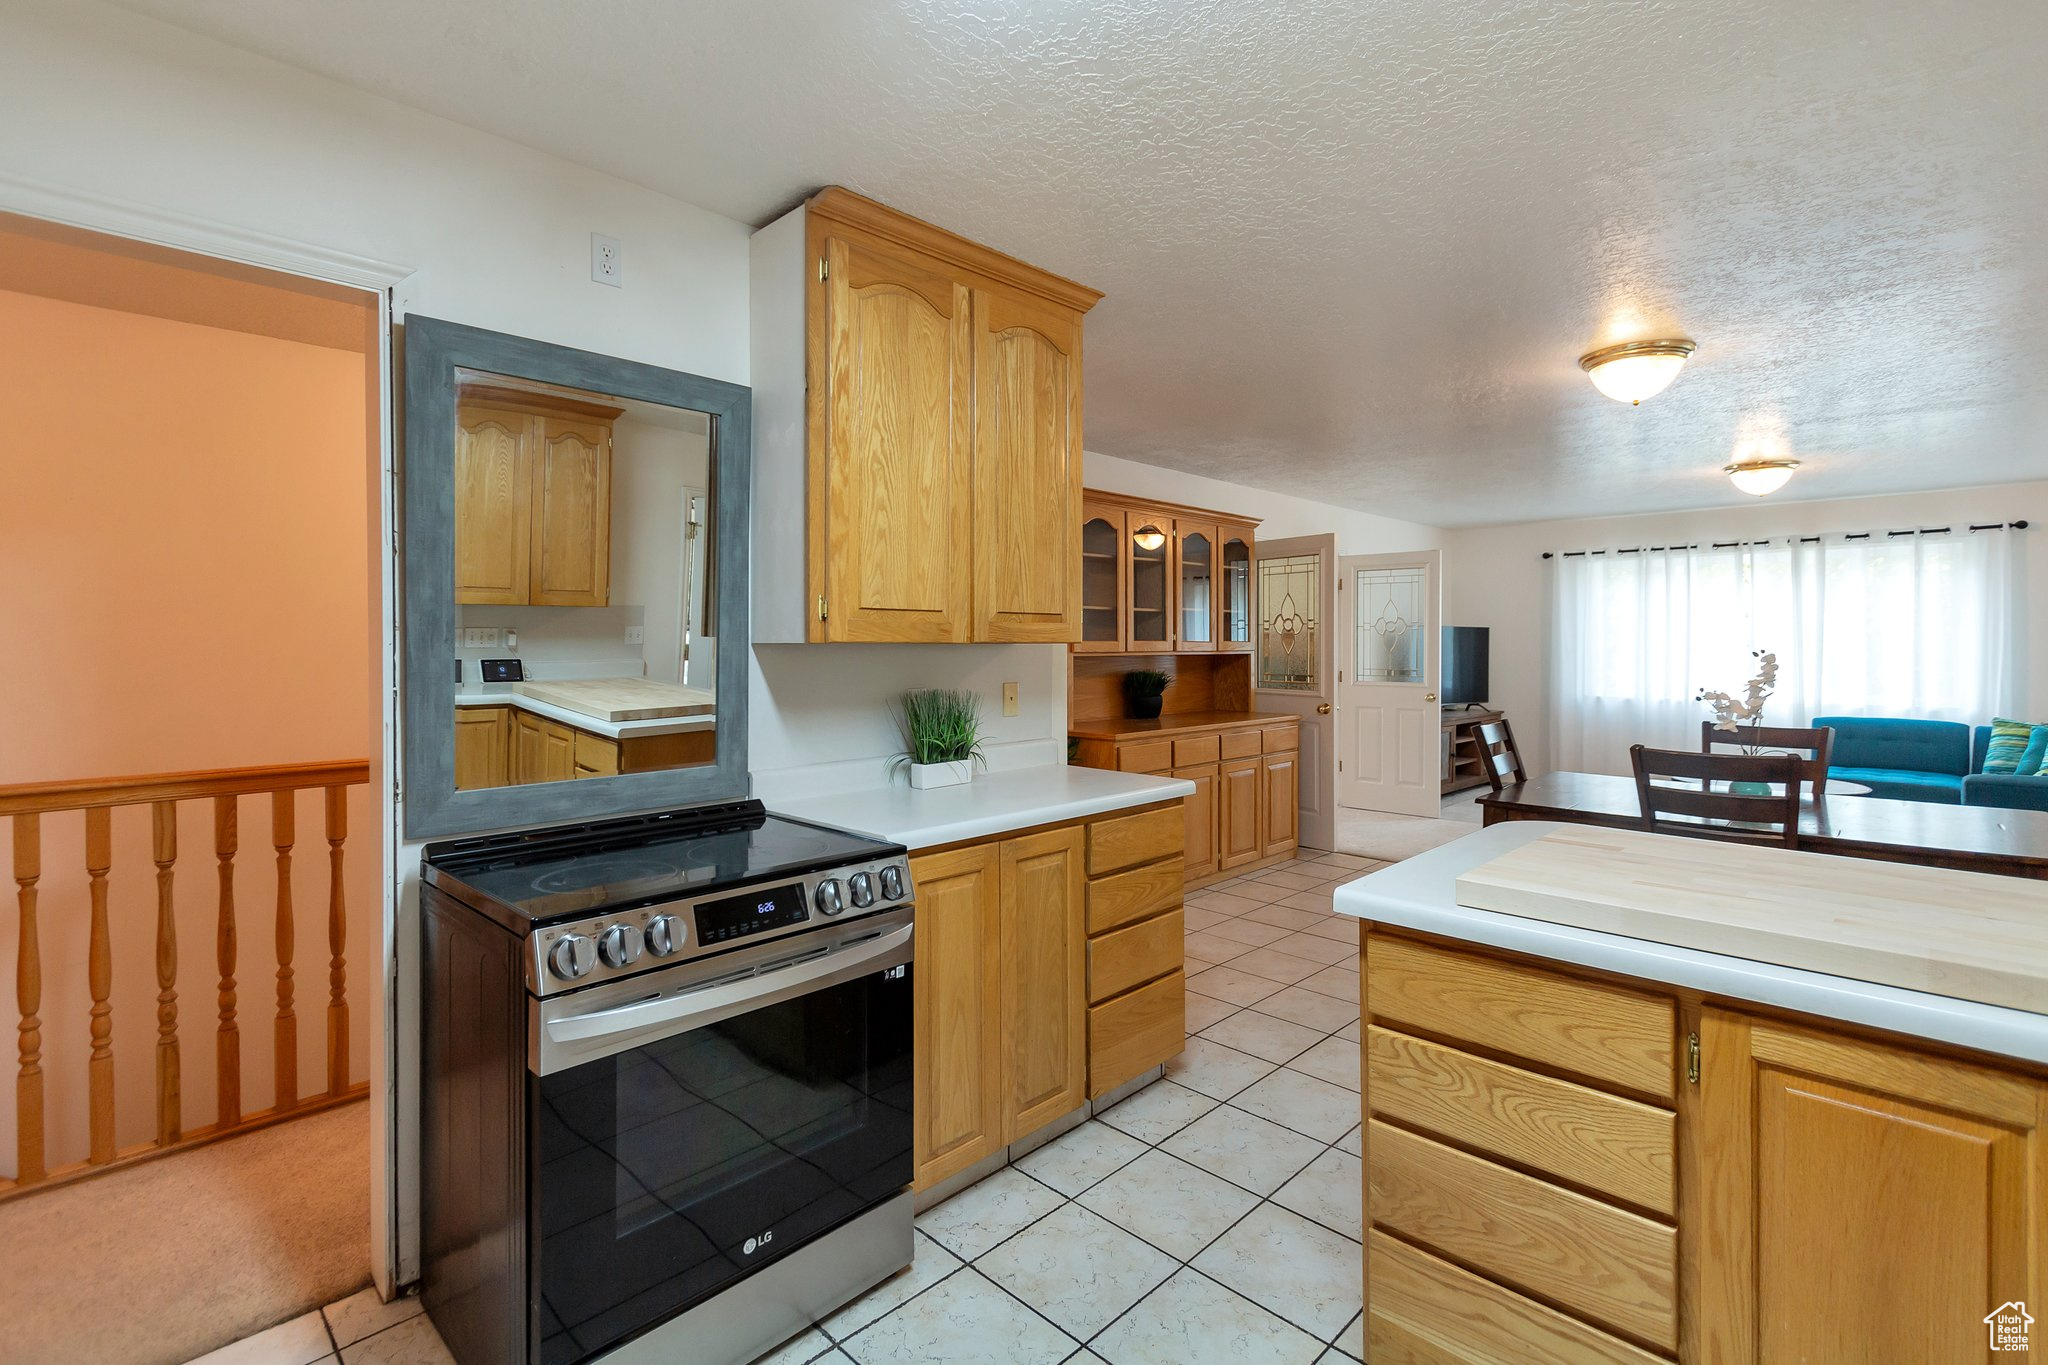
584 585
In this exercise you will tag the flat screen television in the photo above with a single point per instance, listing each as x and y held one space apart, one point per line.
1464 665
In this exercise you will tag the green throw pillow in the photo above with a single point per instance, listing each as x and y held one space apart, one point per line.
2009 742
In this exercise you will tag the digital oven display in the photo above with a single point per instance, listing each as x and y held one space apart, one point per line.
754 913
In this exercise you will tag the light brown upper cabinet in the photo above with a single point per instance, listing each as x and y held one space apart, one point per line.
533 499
917 451
1161 579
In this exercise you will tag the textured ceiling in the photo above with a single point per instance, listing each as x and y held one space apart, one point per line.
1353 249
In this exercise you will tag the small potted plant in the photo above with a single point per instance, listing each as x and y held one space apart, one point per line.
942 732
1145 692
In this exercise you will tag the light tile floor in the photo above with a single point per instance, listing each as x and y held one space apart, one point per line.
1212 1217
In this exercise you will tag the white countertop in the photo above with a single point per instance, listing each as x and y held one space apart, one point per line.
993 803
1420 894
611 729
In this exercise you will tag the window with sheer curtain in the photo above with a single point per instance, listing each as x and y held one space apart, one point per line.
1923 625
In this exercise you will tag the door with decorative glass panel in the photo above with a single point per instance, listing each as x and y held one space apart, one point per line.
1293 670
1389 723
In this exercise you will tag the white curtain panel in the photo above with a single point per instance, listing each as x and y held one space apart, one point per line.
1924 625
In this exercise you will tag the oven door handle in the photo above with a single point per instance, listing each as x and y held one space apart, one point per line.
691 1009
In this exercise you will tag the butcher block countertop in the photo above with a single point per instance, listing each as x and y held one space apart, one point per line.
1186 723
617 699
506 694
1954 957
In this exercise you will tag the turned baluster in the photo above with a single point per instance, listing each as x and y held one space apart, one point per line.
28 988
337 943
228 1040
99 856
283 829
169 1088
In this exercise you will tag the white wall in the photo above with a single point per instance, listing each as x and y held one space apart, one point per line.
1280 515
1495 576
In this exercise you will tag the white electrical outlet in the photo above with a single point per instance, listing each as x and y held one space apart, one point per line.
635 635
1009 699
606 267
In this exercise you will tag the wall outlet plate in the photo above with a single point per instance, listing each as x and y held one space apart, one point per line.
481 637
636 635
1009 699
606 265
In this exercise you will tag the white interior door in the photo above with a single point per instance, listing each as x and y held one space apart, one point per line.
1294 592
1389 724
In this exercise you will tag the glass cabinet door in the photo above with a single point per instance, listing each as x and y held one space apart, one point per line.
1102 580
1234 593
1197 595
1150 546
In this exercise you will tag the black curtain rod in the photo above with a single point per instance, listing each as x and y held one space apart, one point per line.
1801 540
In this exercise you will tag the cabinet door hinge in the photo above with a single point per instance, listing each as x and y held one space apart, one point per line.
1692 1058
821 606
824 269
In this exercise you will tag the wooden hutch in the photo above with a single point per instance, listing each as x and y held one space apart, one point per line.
1169 587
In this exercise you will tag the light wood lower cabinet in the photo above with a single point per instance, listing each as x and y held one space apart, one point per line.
958 1089
1240 802
1049 970
1549 1178
543 750
483 747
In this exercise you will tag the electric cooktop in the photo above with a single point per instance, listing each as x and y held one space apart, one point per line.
538 877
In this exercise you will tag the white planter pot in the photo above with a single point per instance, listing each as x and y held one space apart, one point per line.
954 774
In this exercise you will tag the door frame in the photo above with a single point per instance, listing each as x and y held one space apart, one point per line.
1317 707
1349 717
394 1117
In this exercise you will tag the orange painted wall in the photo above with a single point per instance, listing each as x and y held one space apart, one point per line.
181 545
183 584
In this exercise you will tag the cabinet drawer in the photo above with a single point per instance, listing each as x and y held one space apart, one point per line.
1280 738
1239 743
1134 955
1128 897
1605 1033
1614 1267
1584 1136
1425 1309
1127 840
1135 1032
1194 749
596 756
1153 756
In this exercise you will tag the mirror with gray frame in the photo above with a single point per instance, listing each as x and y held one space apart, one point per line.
575 623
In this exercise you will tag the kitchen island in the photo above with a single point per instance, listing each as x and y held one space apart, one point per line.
1612 1143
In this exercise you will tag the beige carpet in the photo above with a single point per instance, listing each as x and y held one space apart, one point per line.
173 1258
1390 838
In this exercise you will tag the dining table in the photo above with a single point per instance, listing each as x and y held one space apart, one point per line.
2010 843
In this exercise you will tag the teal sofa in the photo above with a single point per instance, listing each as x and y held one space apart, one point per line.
1926 760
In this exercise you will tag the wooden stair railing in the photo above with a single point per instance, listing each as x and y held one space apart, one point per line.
97 799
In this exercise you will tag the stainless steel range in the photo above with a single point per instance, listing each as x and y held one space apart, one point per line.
668 1085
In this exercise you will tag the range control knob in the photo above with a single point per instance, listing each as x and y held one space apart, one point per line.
665 934
830 898
863 888
619 945
892 882
572 956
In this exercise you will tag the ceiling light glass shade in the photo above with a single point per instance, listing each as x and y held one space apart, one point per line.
1148 538
1635 370
1759 477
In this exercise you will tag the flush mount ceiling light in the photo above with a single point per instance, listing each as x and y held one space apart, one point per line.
1635 370
1148 537
1759 477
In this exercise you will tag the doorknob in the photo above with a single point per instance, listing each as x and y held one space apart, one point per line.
1323 710
1429 696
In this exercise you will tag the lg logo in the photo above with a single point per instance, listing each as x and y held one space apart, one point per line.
759 1243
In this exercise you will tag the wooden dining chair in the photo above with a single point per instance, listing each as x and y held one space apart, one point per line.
1818 741
1497 753
1772 819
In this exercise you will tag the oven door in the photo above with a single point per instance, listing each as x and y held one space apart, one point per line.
698 1123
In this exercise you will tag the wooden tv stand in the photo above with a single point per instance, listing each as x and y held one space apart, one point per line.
1465 768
